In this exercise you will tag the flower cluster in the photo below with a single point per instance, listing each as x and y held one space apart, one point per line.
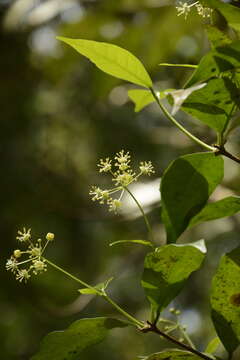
184 8
122 175
33 256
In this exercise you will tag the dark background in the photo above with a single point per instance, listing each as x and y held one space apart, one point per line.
59 115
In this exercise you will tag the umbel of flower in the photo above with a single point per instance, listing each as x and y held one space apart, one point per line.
184 8
122 175
24 263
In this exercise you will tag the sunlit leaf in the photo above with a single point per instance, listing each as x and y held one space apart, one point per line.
68 344
112 59
185 188
167 269
213 345
141 242
216 210
172 354
99 287
141 98
225 300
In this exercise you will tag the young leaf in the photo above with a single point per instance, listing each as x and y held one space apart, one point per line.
225 300
68 344
141 242
213 345
230 12
219 209
185 188
112 59
172 354
167 269
95 290
214 103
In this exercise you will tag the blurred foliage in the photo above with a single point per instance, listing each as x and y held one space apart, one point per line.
59 115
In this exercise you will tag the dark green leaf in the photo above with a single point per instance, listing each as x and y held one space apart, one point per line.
225 300
166 270
141 242
219 209
214 103
68 344
112 59
185 188
172 354
230 12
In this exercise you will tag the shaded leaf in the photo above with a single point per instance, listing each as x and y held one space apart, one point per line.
141 242
230 12
172 354
68 344
185 188
216 210
166 270
217 61
112 59
217 37
225 300
214 103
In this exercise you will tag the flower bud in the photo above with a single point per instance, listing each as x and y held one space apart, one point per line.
50 236
17 253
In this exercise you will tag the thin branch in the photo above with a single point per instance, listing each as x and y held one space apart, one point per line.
153 328
222 151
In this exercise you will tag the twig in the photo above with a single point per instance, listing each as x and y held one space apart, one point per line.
153 328
222 151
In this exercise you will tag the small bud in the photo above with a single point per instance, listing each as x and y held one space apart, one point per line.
50 236
172 310
177 312
17 253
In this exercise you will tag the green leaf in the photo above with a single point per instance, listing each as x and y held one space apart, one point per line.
141 242
172 354
213 104
185 188
213 345
217 61
217 37
141 98
216 210
225 300
230 12
112 59
68 344
167 269
95 290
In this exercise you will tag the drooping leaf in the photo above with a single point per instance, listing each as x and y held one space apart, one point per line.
172 354
68 344
225 300
216 210
141 242
230 12
167 269
185 188
217 61
213 104
213 345
112 59
101 286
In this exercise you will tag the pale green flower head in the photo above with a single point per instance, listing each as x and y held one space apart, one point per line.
184 8
119 167
32 260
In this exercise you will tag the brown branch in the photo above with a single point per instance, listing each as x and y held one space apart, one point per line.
153 328
222 151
